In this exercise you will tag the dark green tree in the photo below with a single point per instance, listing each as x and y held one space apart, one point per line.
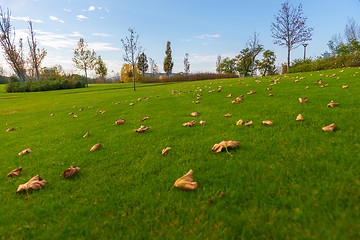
267 65
100 68
227 65
143 65
168 63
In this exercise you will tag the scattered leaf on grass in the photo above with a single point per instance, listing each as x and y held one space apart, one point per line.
344 86
195 114
142 129
189 124
267 122
251 92
202 122
165 150
219 89
119 121
186 182
229 95
329 128
71 171
34 183
228 115
299 118
144 118
238 99
270 95
51 115
131 104
269 88
218 147
332 104
239 122
86 135
249 123
319 82
25 151
95 147
10 129
75 116
15 172
303 100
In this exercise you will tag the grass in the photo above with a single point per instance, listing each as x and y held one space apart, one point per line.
290 180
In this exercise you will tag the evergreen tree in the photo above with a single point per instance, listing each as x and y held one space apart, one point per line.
143 65
168 63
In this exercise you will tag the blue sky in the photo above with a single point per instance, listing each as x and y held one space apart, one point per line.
202 28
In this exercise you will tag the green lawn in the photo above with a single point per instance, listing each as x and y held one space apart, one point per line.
290 180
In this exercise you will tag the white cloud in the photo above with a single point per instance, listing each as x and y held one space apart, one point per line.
207 36
81 17
67 10
56 19
26 19
102 46
91 8
101 34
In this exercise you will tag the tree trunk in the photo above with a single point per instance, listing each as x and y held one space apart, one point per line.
133 68
288 59
86 78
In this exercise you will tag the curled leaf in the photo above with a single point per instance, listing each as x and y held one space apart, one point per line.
25 151
119 121
10 129
270 95
186 182
267 122
34 183
142 129
269 88
165 150
251 92
303 100
195 114
319 82
189 124
332 104
299 118
71 171
144 118
238 99
15 172
239 122
344 86
202 122
218 147
95 147
219 89
249 123
86 135
329 128
229 95
228 115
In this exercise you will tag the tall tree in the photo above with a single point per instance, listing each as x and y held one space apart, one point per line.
227 65
255 48
153 67
168 63
36 55
267 65
84 59
218 62
132 50
143 65
100 68
290 28
186 64
13 55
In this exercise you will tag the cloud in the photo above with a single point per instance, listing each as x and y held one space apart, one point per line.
67 10
101 34
207 36
26 19
81 17
102 46
53 18
91 8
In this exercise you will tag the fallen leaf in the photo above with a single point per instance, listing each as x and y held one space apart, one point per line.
86 135
142 129
186 182
15 172
319 82
303 100
25 151
219 89
131 104
165 150
239 122
229 95
238 99
329 128
269 88
270 95
10 129
75 116
71 171
218 147
202 122
144 118
344 86
189 124
95 147
249 123
228 115
267 122
34 183
51 115
299 118
332 104
120 121
195 114
251 92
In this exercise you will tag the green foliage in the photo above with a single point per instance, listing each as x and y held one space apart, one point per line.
267 65
84 58
227 66
142 63
100 67
168 63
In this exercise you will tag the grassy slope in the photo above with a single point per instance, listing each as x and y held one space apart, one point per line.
288 180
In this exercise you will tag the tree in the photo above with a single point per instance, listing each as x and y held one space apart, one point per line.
218 61
244 62
227 65
168 63
132 50
255 48
290 28
127 72
84 59
143 65
36 56
100 68
153 67
13 55
267 65
352 30
186 64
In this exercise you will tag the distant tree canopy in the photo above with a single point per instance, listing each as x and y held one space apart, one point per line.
100 68
127 73
168 62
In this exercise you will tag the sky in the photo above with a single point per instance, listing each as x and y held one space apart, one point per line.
204 29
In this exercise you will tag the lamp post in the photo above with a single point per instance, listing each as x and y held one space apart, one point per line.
305 45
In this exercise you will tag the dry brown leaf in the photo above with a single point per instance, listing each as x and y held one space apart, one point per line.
228 115
303 100
189 124
319 82
332 104
165 150
218 147
10 129
249 123
195 114
251 92
34 183
86 135
15 172
75 116
186 182
131 104
270 95
239 122
142 129
144 118
267 122
299 118
229 95
25 151
95 147
219 89
71 171
202 122
329 128
119 121
344 86
238 99
269 88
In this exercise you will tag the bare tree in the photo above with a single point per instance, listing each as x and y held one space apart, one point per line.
153 67
13 55
36 56
186 64
290 28
255 48
132 50
352 30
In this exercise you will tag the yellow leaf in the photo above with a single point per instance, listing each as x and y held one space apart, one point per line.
267 122
186 182
303 100
165 150
86 135
299 118
25 151
332 104
95 147
202 122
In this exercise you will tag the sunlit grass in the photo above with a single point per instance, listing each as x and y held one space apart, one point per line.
290 180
